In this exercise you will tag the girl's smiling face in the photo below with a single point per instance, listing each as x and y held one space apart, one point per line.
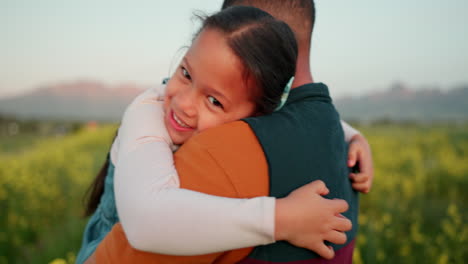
208 89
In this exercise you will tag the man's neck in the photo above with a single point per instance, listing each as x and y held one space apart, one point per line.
303 74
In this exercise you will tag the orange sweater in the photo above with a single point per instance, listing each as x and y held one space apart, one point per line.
224 161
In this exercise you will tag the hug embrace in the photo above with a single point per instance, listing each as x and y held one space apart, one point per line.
240 158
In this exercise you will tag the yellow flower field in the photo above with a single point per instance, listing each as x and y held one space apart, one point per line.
41 195
416 212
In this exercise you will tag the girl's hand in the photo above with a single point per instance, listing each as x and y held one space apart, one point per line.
305 219
359 155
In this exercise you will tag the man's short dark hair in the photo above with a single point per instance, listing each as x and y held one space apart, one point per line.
298 14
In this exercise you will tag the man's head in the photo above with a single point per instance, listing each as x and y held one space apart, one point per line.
298 14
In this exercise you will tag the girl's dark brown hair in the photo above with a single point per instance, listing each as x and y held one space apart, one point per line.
96 189
266 47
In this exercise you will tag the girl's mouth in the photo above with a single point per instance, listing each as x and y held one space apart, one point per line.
178 124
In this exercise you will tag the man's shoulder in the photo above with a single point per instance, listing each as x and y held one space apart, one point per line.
302 121
232 134
231 152
229 144
309 105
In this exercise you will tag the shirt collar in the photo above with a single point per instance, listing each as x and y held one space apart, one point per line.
309 90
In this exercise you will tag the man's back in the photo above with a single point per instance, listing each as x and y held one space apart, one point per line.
304 142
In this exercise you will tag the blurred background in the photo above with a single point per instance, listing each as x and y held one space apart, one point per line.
397 71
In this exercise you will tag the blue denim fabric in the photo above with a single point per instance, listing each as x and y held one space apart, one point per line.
102 221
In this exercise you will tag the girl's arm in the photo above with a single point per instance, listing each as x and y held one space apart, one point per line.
159 217
349 131
360 156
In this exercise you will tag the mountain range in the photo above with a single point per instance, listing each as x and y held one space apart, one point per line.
79 100
400 103
91 100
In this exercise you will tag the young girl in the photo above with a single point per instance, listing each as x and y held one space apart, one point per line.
238 65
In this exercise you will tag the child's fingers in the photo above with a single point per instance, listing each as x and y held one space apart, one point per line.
368 170
335 237
341 223
361 182
352 155
338 206
366 165
325 251
359 177
319 187
361 187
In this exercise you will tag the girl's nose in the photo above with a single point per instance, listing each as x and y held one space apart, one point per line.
186 102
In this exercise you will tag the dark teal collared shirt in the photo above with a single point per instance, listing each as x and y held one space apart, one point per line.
303 142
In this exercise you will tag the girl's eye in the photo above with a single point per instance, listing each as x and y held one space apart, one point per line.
215 102
186 74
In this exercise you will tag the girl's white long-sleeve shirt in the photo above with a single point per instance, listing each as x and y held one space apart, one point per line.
158 216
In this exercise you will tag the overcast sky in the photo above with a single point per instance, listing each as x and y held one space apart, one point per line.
358 46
